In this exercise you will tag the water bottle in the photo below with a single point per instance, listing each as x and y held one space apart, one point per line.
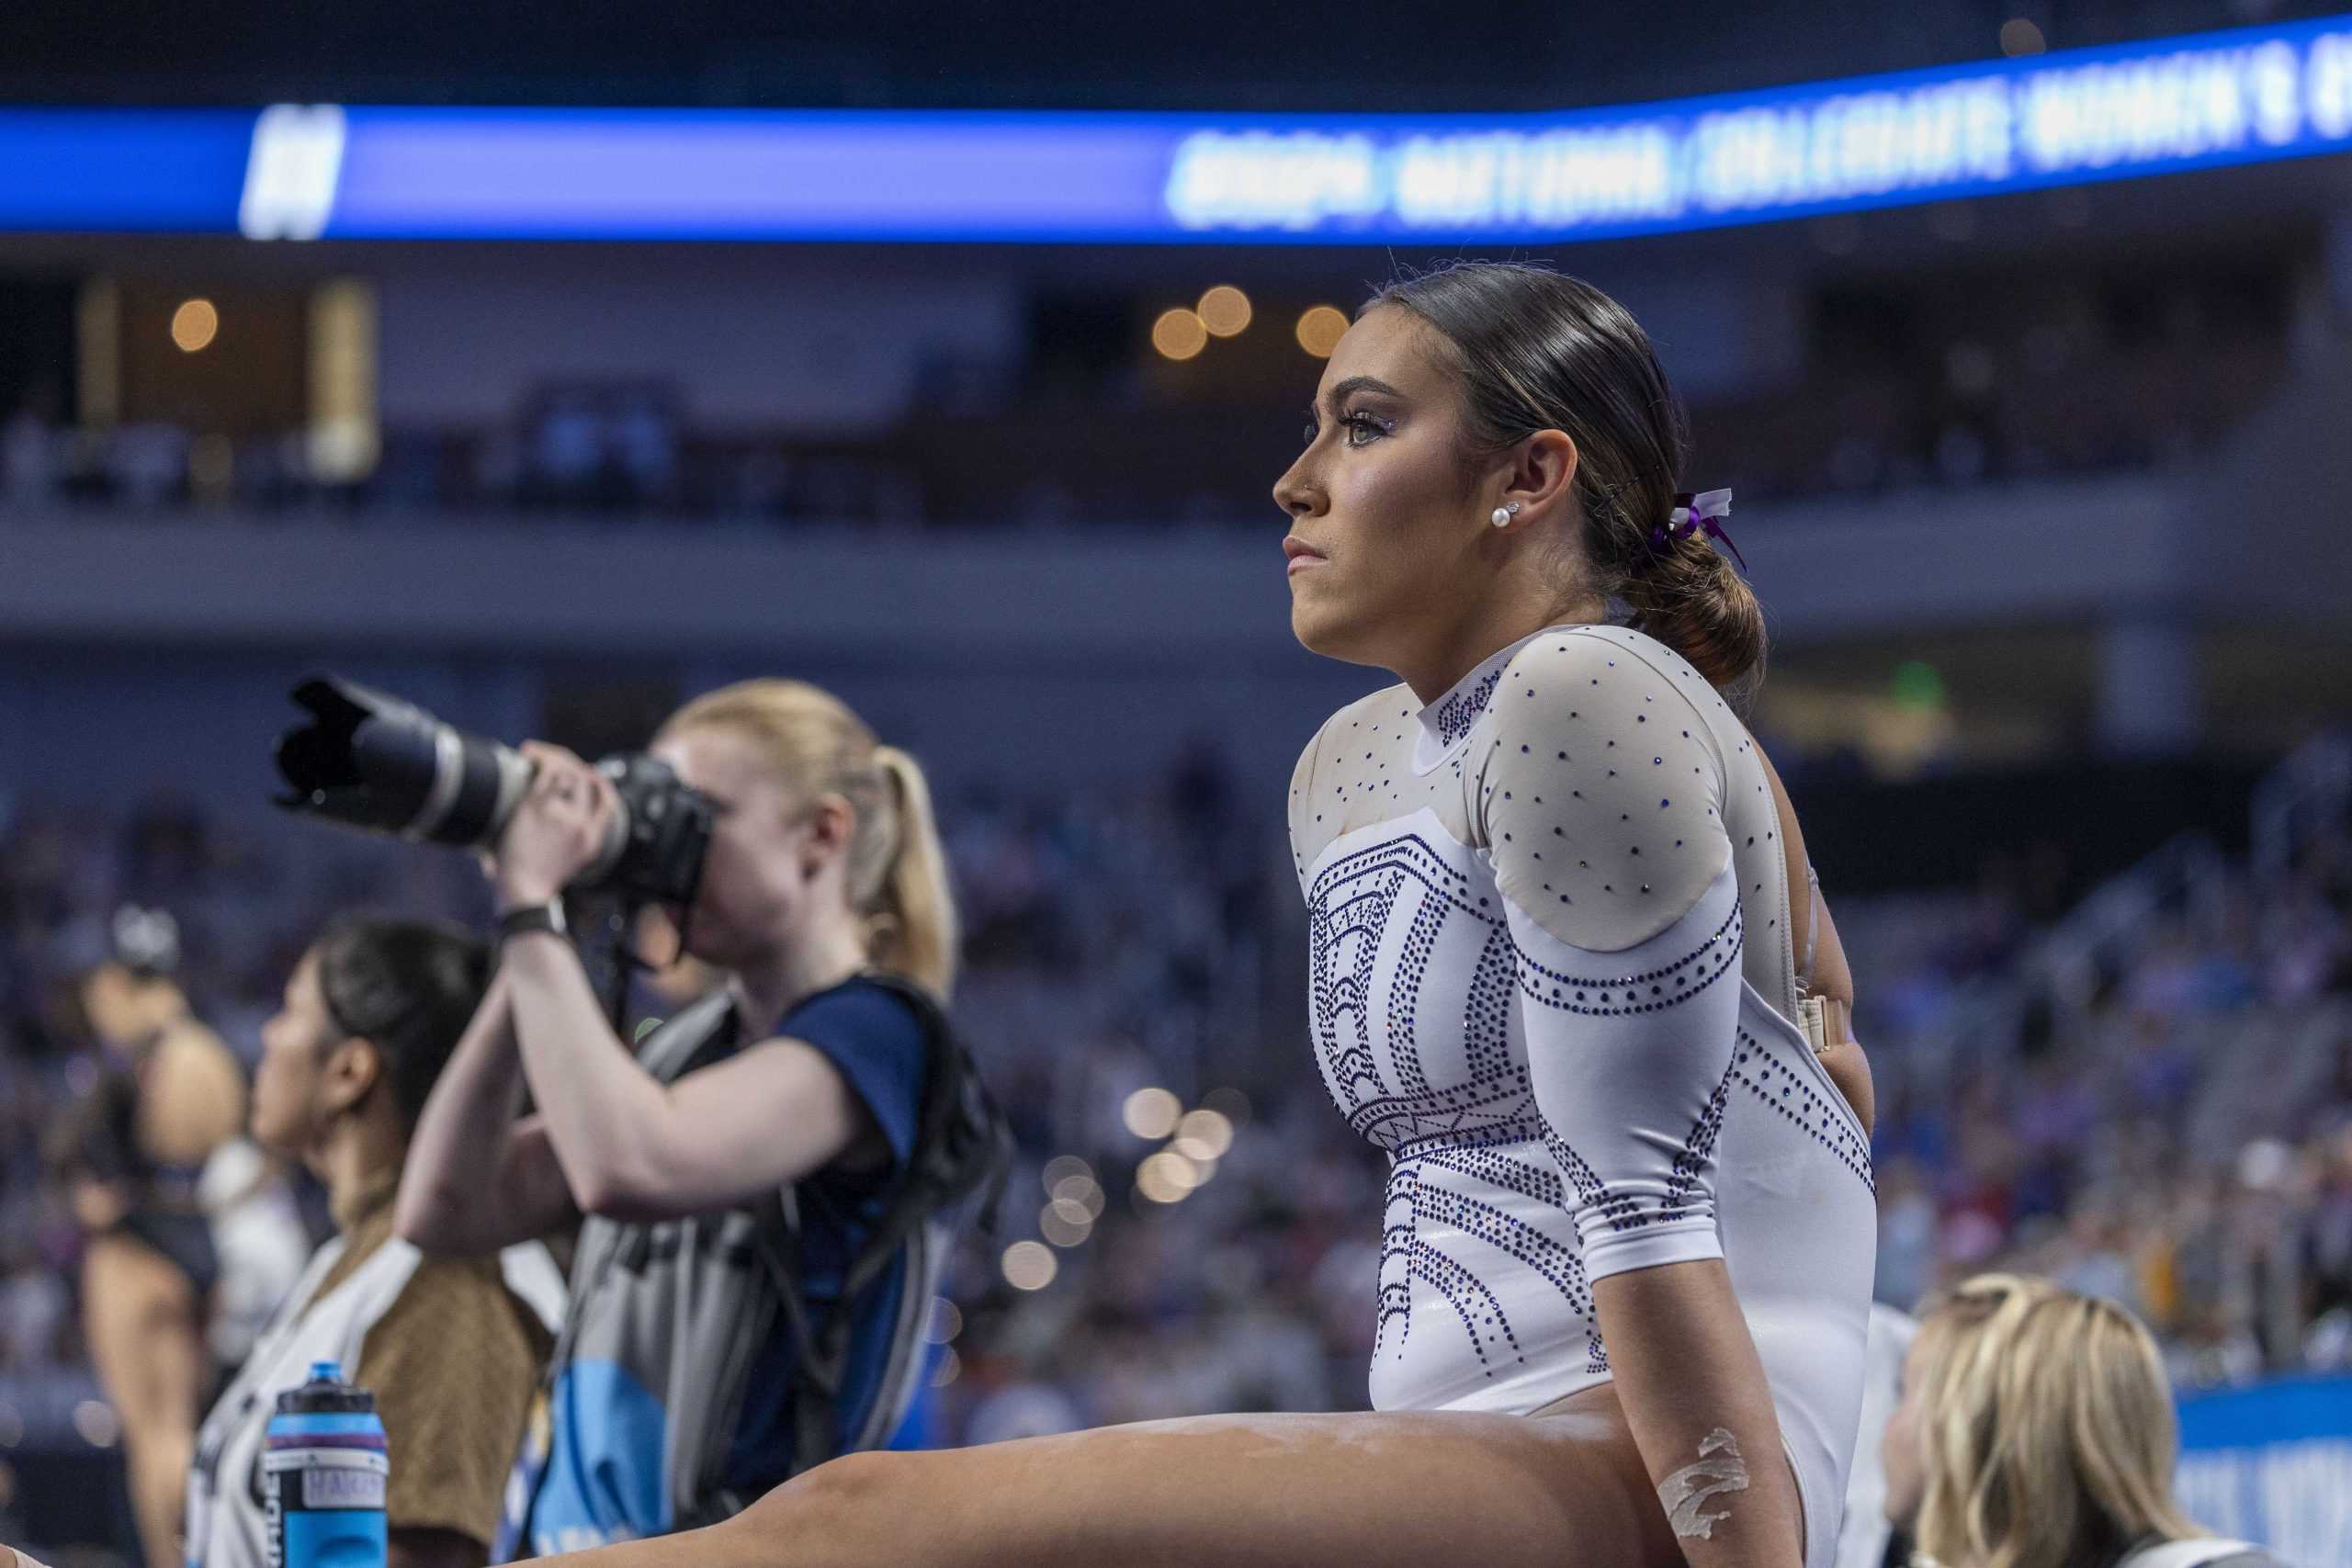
323 1473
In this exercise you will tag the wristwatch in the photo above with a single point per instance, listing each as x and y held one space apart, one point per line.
524 918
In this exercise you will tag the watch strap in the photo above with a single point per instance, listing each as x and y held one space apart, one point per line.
527 918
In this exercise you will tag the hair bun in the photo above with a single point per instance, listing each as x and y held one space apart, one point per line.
1536 350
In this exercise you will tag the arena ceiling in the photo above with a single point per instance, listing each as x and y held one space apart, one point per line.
1203 54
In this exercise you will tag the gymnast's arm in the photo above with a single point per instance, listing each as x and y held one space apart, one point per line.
1611 869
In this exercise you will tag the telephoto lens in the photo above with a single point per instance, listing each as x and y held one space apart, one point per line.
372 761
368 759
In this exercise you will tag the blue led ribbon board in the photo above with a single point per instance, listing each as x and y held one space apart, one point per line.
297 173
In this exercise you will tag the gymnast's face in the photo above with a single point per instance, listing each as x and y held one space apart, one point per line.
1385 514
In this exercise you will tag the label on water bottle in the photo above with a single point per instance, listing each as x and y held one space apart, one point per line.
323 1507
342 1488
333 1478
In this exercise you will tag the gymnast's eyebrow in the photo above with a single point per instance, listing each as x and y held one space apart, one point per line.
1341 391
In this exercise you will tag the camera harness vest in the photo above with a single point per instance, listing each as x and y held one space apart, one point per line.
675 1302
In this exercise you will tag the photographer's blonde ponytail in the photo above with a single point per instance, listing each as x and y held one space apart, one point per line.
916 934
897 871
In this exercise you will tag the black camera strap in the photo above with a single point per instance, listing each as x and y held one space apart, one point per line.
962 1145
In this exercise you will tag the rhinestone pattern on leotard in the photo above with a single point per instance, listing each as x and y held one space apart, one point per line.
1423 1006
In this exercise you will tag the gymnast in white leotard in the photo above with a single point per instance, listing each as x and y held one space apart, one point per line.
1551 974
1555 974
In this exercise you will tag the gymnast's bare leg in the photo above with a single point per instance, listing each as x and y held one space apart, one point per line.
1348 1491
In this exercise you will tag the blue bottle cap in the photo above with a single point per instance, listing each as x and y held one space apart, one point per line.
327 1371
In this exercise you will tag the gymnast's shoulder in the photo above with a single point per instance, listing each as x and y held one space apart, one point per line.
1386 713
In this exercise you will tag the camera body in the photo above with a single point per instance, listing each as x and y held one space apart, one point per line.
370 761
655 854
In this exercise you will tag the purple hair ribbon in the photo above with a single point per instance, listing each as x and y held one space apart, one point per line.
1694 515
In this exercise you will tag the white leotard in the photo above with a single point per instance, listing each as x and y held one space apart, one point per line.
1550 977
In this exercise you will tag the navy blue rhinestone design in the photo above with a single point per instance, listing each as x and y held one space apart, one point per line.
1457 713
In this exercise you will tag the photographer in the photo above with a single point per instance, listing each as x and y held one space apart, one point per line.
776 1123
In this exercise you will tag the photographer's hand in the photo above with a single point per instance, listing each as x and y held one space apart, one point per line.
557 829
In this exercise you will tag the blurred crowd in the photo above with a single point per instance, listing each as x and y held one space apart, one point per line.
1965 380
2177 1137
2180 1137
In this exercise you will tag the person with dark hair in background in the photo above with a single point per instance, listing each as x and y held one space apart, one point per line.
2036 1431
1568 967
451 1347
741 1169
148 1156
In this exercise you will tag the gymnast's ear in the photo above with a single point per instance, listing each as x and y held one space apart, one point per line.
1539 475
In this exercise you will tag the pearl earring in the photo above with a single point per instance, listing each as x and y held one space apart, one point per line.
1501 516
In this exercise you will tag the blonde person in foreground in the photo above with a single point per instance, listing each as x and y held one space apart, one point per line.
2036 1431
1568 970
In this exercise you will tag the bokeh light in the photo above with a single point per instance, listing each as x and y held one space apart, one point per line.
1223 311
1179 335
946 1321
1151 1112
1065 1223
1204 1134
98 1423
1062 1168
950 1368
1082 1190
1153 1181
1169 1171
1321 329
1918 684
194 324
1030 1265
2020 37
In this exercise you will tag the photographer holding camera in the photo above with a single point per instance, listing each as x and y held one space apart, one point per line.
757 1261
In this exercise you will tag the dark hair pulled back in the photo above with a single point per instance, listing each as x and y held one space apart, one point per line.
1537 350
408 987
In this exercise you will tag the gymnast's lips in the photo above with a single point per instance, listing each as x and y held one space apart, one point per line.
1302 555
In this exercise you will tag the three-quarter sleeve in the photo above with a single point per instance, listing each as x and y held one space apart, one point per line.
1599 802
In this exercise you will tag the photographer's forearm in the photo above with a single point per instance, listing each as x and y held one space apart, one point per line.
604 1113
476 1180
